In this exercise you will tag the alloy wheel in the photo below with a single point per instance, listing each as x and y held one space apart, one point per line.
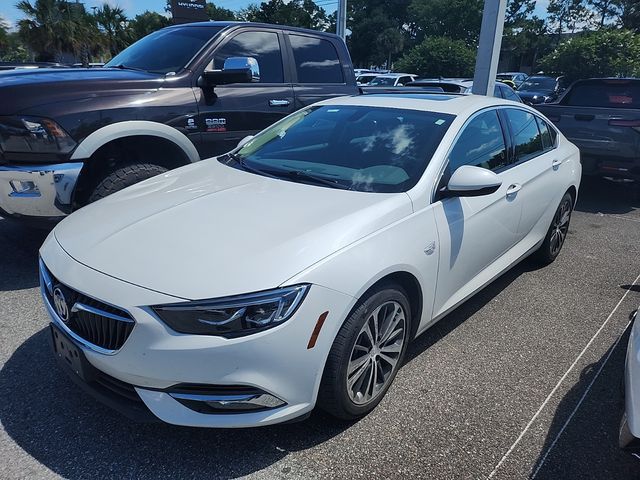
375 354
560 227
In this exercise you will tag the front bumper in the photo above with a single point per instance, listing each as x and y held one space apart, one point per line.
161 364
38 192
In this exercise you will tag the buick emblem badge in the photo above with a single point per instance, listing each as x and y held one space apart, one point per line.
60 303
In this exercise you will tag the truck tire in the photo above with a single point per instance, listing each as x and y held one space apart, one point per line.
122 177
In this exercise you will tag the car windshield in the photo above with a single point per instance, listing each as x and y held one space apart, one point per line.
388 81
538 83
167 50
368 149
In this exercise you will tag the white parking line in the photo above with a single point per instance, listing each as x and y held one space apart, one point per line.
562 379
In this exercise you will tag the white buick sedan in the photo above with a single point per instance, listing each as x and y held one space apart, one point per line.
294 271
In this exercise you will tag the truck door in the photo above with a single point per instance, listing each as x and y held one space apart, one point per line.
318 70
228 113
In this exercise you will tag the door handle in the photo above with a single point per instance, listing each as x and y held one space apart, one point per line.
556 163
279 103
513 189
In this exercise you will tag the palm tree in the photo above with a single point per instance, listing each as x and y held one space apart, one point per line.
53 27
113 23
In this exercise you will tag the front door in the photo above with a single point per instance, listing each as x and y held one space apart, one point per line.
475 231
228 113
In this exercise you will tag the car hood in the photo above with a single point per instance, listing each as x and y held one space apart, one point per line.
528 94
208 230
23 89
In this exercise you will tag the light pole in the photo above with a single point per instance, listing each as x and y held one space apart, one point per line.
341 23
484 79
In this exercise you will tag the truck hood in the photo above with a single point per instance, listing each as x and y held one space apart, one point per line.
23 89
209 230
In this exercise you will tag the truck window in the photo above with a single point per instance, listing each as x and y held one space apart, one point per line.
316 60
263 46
605 94
526 136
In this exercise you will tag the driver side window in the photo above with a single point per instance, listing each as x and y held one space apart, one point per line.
263 46
481 144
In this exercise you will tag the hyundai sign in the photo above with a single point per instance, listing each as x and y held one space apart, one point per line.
184 11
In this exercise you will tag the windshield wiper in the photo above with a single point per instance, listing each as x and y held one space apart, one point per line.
122 66
245 166
310 177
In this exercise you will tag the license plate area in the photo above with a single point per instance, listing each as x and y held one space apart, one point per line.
70 354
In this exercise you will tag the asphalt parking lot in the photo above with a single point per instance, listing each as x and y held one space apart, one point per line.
524 380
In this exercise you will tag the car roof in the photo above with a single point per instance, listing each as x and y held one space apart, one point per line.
455 104
395 75
225 24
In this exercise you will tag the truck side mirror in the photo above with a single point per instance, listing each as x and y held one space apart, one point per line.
235 70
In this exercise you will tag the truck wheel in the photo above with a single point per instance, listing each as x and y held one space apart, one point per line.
123 177
366 354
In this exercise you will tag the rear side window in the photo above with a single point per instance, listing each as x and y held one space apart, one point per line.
526 135
480 144
607 94
316 60
263 46
548 139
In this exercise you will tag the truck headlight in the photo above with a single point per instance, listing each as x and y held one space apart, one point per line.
25 134
233 316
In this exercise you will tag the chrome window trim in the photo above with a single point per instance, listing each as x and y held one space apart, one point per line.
499 171
46 283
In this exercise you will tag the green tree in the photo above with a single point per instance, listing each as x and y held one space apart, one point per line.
439 56
565 15
602 53
113 24
604 10
219 13
455 19
53 27
630 15
297 13
145 23
390 41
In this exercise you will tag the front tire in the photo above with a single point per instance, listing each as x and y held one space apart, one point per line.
124 176
557 233
366 354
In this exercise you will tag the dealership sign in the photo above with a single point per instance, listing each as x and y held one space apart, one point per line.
184 11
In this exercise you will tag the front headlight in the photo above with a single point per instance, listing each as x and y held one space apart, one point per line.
23 134
233 316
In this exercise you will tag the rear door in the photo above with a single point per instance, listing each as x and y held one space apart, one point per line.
317 69
538 165
228 113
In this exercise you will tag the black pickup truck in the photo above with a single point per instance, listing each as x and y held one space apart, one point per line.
181 94
602 117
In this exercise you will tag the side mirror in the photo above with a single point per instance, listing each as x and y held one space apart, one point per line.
470 181
244 141
235 70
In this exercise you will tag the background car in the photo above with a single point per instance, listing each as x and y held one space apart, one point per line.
516 77
353 226
365 78
500 90
541 89
392 80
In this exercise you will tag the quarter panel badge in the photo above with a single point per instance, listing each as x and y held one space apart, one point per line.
430 248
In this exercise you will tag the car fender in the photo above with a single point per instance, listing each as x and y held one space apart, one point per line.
131 128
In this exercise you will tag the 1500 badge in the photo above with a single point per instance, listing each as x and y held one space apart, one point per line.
216 124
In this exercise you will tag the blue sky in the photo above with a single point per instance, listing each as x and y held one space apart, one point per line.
133 7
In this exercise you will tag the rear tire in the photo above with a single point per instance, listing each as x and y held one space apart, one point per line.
557 233
122 177
366 354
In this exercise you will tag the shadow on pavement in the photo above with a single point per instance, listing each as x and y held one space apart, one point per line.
602 196
588 447
76 437
19 247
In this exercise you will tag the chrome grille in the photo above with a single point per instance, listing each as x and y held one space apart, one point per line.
90 321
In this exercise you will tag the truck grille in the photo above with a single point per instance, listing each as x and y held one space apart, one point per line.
90 321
